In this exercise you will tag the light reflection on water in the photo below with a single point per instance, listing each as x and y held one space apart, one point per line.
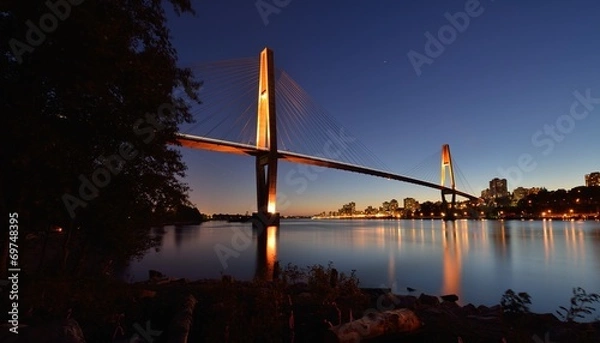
477 260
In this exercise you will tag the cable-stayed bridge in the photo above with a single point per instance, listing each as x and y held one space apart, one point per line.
251 108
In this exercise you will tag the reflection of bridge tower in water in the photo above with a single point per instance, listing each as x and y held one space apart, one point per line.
266 218
266 251
449 209
454 239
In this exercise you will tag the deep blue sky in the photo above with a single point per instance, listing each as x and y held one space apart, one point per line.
512 71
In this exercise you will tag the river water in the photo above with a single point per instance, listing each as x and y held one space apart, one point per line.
476 260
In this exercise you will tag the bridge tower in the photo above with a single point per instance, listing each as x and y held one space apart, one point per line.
447 166
266 140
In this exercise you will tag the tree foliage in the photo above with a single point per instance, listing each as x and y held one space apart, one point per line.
515 303
89 108
581 199
580 305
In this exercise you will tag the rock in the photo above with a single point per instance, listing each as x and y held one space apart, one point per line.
495 310
450 297
450 305
428 300
469 309
377 325
387 301
406 301
483 309
433 310
375 292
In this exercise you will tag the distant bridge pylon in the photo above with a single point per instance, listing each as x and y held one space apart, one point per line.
448 168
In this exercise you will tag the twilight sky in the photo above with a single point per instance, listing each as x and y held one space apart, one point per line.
507 91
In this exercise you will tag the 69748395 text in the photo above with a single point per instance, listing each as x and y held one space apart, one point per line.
13 269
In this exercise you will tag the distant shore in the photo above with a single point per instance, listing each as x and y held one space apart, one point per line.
441 218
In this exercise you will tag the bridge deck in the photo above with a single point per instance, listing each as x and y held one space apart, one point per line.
197 142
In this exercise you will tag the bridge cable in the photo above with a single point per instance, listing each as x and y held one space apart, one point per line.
355 154
298 112
462 177
220 91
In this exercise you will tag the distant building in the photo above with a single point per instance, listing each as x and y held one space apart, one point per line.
498 188
486 194
519 193
410 204
394 205
592 179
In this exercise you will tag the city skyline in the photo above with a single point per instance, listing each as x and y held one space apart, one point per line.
518 111
411 203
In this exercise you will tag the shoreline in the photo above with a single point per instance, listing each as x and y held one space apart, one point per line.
325 307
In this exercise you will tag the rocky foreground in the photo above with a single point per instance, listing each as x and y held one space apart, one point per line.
323 309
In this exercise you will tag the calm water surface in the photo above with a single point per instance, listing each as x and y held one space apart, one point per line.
477 260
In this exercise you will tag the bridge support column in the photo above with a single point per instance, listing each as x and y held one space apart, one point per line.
447 166
266 140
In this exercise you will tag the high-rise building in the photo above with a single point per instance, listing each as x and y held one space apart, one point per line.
498 188
592 179
393 205
410 204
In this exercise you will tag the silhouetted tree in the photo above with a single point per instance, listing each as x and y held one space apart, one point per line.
90 101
